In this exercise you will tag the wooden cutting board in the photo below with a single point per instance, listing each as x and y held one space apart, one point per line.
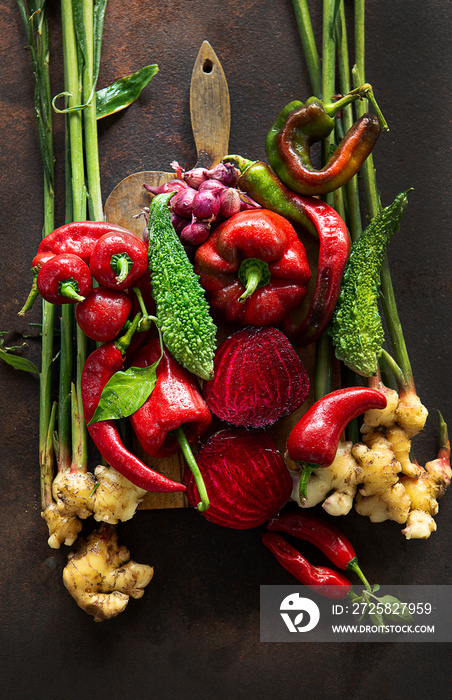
210 118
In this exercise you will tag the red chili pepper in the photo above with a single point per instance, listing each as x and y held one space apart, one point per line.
175 401
312 529
103 313
118 259
99 367
333 254
321 221
78 238
331 583
315 438
254 268
64 279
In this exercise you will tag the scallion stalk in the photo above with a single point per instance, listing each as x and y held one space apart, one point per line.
36 26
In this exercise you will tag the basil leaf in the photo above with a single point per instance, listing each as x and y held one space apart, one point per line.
125 392
377 619
399 611
18 362
123 92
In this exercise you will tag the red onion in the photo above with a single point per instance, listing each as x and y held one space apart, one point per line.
179 222
205 205
195 233
245 477
181 203
173 185
229 202
195 178
226 173
212 186
247 203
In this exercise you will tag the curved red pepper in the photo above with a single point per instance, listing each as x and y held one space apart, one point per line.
64 279
256 240
331 584
77 238
99 367
175 401
315 438
118 259
333 254
310 528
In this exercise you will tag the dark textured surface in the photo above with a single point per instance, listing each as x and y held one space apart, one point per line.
195 633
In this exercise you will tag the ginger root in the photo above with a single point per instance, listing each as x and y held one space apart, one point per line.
411 415
100 576
334 485
116 498
106 494
392 504
73 493
63 529
379 466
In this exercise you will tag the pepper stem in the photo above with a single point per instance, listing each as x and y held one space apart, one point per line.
69 289
189 458
354 566
239 161
253 273
146 319
34 293
305 475
364 91
124 341
121 264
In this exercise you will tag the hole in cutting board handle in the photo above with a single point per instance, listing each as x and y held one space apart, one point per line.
207 66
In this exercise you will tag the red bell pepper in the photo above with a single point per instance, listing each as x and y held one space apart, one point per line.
77 238
64 279
118 259
254 268
175 401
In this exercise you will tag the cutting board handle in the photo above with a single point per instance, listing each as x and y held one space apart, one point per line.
209 94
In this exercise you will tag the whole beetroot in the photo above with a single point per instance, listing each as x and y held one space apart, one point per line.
258 378
245 477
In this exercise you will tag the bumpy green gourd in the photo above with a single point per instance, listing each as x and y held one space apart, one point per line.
182 310
356 327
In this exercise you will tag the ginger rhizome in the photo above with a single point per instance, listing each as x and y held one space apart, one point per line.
106 495
101 577
378 477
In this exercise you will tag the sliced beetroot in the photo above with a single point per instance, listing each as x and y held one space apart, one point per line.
258 378
245 477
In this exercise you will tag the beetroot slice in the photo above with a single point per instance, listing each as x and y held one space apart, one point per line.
245 476
258 378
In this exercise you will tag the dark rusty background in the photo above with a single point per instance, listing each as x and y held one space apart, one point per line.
195 633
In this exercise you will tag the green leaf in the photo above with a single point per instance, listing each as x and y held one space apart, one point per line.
125 392
399 611
79 26
123 92
18 362
377 619
98 28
